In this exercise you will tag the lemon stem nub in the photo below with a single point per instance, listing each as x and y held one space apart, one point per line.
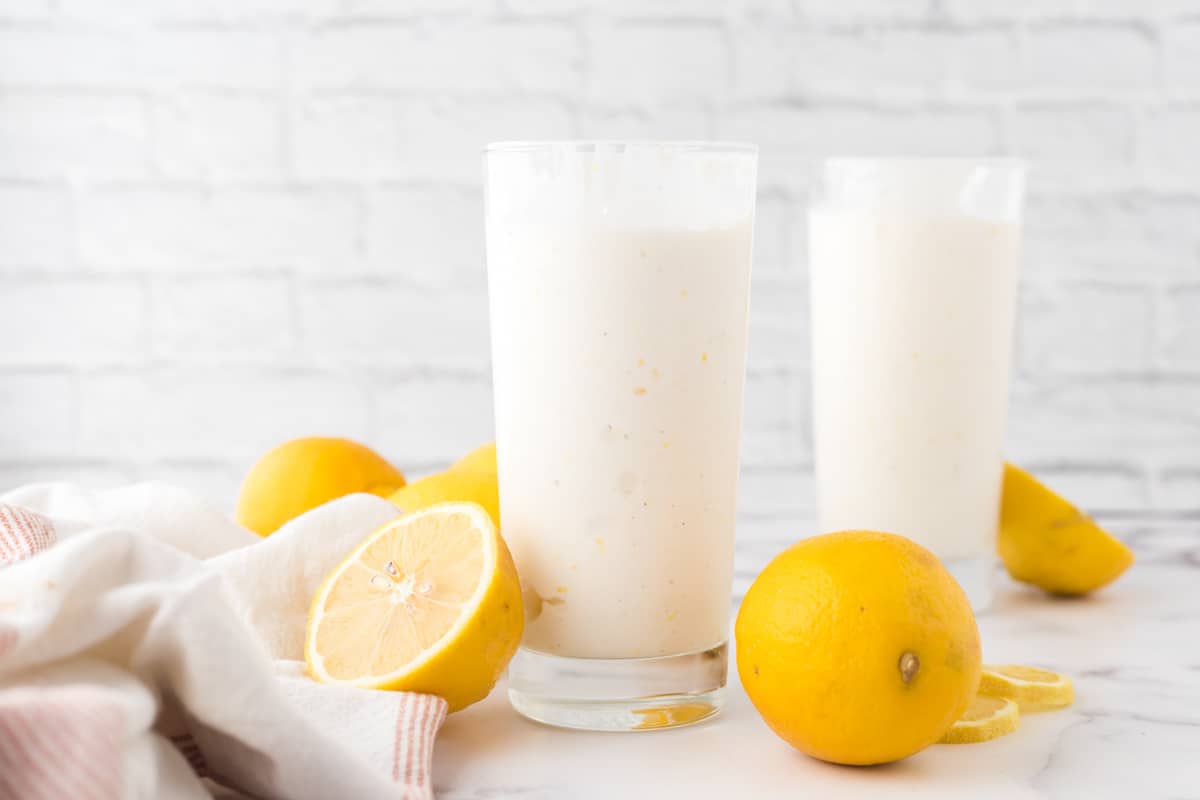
910 665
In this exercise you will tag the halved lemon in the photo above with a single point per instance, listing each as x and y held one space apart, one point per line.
986 718
430 602
1029 687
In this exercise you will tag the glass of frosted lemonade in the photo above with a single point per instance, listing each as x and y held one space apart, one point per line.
913 267
619 277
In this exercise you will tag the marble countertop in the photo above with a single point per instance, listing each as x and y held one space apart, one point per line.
1133 650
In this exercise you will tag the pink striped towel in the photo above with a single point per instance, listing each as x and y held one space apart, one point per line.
149 647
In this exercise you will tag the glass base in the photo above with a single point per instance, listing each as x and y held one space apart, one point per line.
618 694
975 576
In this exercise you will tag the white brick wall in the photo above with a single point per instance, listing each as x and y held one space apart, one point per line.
227 222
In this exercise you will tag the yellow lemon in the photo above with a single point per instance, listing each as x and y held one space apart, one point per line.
482 460
1029 687
300 475
985 719
858 647
1047 542
471 479
430 602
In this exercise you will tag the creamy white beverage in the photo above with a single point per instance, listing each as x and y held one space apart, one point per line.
618 382
912 308
619 281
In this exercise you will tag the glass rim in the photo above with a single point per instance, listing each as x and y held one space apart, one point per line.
672 145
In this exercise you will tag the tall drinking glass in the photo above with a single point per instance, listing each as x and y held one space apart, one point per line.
914 274
619 281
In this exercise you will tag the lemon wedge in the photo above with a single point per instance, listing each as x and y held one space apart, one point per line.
1047 542
985 719
1029 687
430 602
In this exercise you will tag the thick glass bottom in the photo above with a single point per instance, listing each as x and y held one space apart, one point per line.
977 578
618 694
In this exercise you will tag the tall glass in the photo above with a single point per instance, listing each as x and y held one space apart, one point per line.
914 273
619 281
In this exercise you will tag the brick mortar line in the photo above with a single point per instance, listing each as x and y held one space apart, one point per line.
299 188
893 100
1150 286
378 374
309 21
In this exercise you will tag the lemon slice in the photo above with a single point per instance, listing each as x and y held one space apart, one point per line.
430 602
1029 687
1046 541
986 718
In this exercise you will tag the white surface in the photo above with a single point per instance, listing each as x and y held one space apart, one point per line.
1134 730
233 221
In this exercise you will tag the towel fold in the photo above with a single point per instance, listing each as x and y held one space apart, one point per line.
150 647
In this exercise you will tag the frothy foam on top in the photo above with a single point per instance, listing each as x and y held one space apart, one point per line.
621 185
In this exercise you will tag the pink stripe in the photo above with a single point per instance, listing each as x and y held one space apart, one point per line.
420 717
106 720
427 736
40 528
16 762
71 736
4 534
411 740
8 789
23 533
12 546
422 704
99 742
54 751
33 775
423 709
22 530
48 758
43 527
411 753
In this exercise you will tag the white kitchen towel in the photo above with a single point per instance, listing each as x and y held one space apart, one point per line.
152 648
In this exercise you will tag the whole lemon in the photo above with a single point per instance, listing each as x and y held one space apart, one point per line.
470 479
451 486
481 460
858 647
300 475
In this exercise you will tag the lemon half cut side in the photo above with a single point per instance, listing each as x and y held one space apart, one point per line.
430 602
